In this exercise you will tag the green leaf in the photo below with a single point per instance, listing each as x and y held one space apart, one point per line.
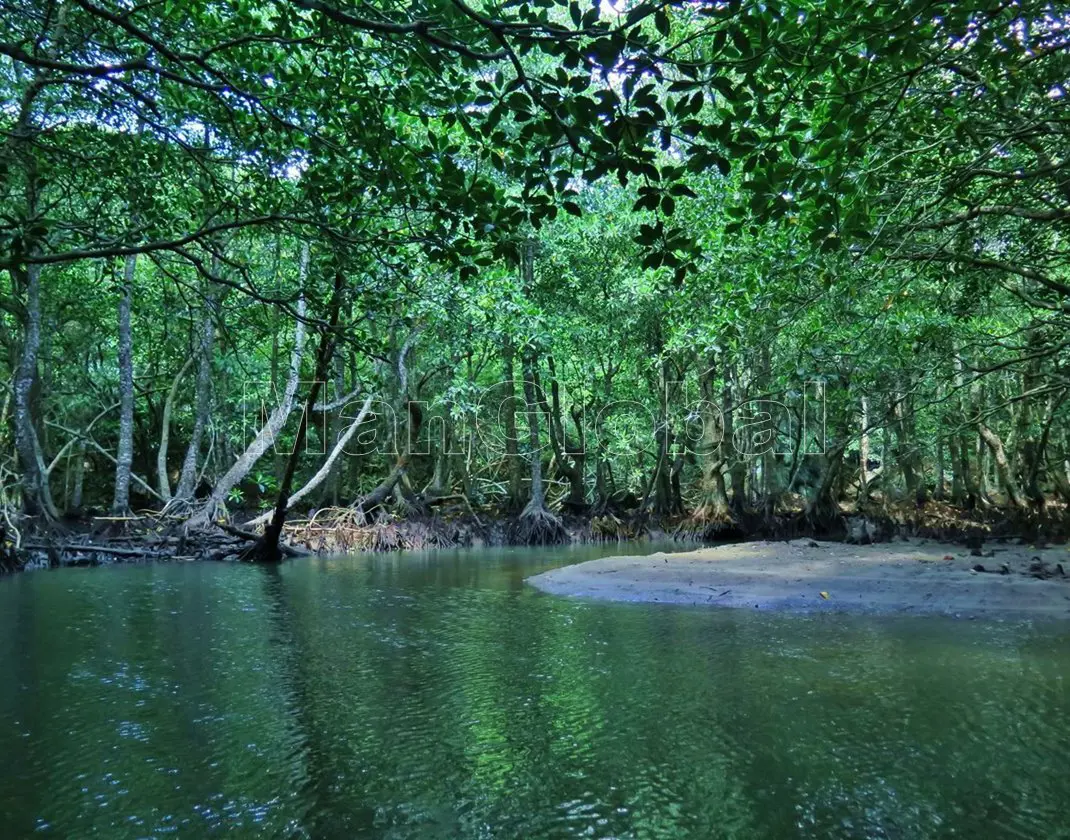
661 21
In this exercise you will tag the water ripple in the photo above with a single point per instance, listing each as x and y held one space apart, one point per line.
435 697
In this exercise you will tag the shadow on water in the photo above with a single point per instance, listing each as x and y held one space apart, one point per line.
311 747
436 696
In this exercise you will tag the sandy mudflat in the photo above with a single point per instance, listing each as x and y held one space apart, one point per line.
890 578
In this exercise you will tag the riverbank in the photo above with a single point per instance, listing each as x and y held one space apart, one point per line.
156 537
914 576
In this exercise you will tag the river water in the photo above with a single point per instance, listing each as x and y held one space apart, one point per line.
437 696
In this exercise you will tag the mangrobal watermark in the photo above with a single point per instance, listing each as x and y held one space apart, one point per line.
617 428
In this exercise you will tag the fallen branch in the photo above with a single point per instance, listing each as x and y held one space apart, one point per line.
101 549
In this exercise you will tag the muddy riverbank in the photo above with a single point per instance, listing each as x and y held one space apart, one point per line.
913 576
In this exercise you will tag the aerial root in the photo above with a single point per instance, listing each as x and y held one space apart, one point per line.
708 523
537 526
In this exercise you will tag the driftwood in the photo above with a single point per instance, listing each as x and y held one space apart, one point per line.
102 549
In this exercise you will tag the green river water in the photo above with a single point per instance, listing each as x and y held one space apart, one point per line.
438 696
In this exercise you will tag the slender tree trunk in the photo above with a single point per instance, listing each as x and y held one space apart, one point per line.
402 439
187 480
512 454
939 492
327 467
1060 472
537 500
713 508
958 467
981 471
1003 466
162 480
32 480
19 146
267 548
863 455
440 478
970 481
75 503
953 418
906 451
279 460
569 460
535 525
36 497
338 430
660 484
268 434
124 454
737 470
602 489
1038 453
823 510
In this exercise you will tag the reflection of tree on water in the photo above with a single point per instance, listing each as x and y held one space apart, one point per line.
458 708
474 708
661 732
313 744
353 697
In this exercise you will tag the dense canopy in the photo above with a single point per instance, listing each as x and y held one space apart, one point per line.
703 264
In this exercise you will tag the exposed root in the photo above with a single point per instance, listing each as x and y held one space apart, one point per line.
610 528
410 507
341 530
178 508
386 538
210 512
537 526
708 524
153 537
413 536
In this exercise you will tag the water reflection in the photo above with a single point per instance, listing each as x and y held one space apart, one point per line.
436 696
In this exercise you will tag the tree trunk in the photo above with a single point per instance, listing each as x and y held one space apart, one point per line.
75 503
338 430
538 492
1038 455
1003 466
124 453
1060 476
440 478
970 487
535 525
266 549
569 460
823 510
512 455
738 469
327 467
162 480
187 480
939 492
269 433
713 512
36 498
402 438
863 455
906 451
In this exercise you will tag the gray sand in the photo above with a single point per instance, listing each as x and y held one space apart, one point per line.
911 577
